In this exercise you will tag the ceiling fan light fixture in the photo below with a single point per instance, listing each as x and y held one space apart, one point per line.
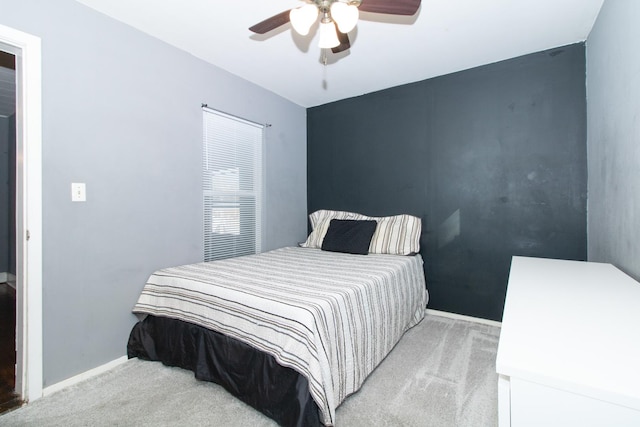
345 15
328 35
302 18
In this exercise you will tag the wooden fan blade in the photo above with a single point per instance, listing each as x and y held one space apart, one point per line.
390 7
344 42
271 23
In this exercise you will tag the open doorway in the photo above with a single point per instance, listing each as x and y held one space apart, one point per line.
24 50
8 396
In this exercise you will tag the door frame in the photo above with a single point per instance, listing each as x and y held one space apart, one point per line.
28 53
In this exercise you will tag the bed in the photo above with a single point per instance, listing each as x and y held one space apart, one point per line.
292 331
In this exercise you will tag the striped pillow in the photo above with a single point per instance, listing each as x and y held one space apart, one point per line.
395 235
322 215
320 221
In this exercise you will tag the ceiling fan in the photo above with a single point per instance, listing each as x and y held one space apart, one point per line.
337 18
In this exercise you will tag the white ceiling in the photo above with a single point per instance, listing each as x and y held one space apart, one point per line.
443 37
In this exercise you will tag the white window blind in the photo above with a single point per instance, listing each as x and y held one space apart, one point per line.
231 185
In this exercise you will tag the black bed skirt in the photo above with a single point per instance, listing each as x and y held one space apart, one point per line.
254 377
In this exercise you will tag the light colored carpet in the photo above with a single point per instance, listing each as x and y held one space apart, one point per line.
442 373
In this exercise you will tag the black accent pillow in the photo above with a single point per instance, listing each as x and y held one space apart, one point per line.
349 236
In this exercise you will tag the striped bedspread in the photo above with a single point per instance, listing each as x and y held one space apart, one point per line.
330 316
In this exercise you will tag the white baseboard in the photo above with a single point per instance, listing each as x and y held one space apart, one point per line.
8 278
11 280
463 317
83 376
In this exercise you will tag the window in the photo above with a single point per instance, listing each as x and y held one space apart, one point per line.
231 185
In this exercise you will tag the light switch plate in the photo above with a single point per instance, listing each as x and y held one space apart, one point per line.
78 192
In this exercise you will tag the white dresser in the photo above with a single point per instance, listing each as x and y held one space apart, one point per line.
569 350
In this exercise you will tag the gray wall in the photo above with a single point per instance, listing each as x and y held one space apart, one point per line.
493 160
8 194
121 112
5 206
12 195
613 114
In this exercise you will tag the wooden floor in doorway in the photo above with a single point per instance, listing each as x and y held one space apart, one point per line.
8 398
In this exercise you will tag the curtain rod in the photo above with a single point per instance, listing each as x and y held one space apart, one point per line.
231 116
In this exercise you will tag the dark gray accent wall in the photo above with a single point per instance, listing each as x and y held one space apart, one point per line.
613 91
493 160
121 113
